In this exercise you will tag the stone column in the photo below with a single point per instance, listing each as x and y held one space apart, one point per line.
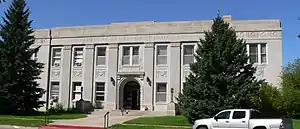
174 75
112 99
88 73
148 87
66 75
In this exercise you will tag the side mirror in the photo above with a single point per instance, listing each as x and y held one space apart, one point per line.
216 118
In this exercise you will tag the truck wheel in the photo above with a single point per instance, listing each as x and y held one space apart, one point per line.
201 127
261 127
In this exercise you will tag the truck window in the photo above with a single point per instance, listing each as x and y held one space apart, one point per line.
224 115
239 114
255 114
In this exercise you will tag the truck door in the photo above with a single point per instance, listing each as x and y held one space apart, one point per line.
221 120
239 120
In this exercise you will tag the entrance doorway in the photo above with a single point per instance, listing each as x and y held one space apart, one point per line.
131 96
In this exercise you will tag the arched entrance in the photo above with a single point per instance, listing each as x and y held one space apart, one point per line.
131 96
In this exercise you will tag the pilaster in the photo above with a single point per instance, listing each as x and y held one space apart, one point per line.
148 88
112 90
174 70
66 74
88 72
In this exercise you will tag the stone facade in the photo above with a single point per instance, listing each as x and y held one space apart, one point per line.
140 62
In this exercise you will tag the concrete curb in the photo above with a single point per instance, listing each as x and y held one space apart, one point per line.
167 126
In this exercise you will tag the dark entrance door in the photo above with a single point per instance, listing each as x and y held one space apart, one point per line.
132 96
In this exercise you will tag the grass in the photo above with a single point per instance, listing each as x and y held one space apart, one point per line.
169 121
36 120
296 124
140 127
162 120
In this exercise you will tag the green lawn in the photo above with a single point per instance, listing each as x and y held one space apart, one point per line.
171 121
296 124
140 127
162 120
36 120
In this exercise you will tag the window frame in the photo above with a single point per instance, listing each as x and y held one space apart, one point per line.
259 53
230 113
59 88
73 56
130 54
104 92
156 54
75 91
157 92
96 55
183 55
60 58
245 113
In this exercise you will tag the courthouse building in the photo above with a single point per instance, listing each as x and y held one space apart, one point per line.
140 64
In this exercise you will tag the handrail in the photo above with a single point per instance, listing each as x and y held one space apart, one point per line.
106 119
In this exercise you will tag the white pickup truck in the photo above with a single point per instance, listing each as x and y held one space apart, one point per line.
242 119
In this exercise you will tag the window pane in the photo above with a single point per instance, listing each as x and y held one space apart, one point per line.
161 97
263 49
188 59
54 90
101 51
162 50
99 98
78 56
126 51
224 115
188 50
101 60
161 87
135 59
253 49
100 86
56 52
135 51
239 114
253 58
263 58
126 60
162 59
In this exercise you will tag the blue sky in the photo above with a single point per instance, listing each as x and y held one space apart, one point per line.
53 13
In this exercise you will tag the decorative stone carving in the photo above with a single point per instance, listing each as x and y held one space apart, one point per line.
149 44
175 44
113 45
90 46
55 73
262 34
67 47
41 40
77 73
100 73
162 73
260 72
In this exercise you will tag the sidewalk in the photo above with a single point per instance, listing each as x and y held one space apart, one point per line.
15 127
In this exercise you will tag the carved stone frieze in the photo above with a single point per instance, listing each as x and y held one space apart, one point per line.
90 46
55 74
77 73
260 71
262 34
149 44
175 44
67 47
113 45
161 73
100 73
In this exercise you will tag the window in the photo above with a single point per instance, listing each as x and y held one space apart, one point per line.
263 53
76 90
253 53
56 57
54 91
162 57
239 115
161 92
100 91
223 115
130 55
101 56
78 57
188 54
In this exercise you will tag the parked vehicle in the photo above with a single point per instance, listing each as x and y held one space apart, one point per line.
242 119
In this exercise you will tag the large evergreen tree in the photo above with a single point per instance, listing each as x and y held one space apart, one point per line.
19 90
221 78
